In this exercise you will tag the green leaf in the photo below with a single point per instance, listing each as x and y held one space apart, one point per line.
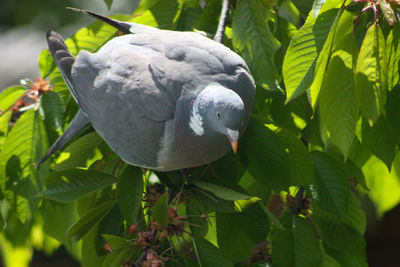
355 257
9 96
393 109
209 18
23 147
78 153
89 220
208 254
381 140
333 231
254 41
384 185
197 224
304 6
160 211
57 218
267 158
332 185
220 191
338 107
299 65
108 3
301 165
4 127
130 192
163 14
393 56
46 63
54 109
117 242
324 56
370 80
67 185
214 202
237 233
297 245
90 251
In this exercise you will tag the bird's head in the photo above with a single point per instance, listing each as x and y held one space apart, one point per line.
219 110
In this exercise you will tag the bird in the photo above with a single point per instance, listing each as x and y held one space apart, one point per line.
162 100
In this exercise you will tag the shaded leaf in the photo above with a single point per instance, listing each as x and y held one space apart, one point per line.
220 191
208 254
117 242
301 165
67 185
89 220
380 140
332 185
54 109
267 159
254 41
160 211
238 232
130 192
297 245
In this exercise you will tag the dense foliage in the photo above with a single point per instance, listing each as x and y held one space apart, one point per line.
325 132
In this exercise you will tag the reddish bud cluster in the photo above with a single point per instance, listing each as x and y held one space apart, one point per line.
153 193
143 239
37 88
153 260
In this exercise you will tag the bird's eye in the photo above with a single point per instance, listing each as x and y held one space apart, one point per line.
218 115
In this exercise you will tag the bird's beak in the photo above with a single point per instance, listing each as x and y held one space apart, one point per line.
233 136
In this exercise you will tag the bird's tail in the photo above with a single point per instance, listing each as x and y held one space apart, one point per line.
64 61
62 57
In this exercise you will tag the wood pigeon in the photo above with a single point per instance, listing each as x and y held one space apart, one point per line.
162 100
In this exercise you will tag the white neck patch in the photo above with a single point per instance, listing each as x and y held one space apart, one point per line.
196 121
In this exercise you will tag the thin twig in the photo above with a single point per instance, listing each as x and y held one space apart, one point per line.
223 20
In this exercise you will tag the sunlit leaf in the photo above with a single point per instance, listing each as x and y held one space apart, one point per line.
23 147
370 77
385 186
9 96
78 153
393 54
300 61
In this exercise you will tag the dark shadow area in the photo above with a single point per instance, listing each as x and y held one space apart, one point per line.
383 240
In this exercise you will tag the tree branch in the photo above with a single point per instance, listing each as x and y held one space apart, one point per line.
223 20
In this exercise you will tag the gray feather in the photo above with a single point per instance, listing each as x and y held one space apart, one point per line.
79 122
